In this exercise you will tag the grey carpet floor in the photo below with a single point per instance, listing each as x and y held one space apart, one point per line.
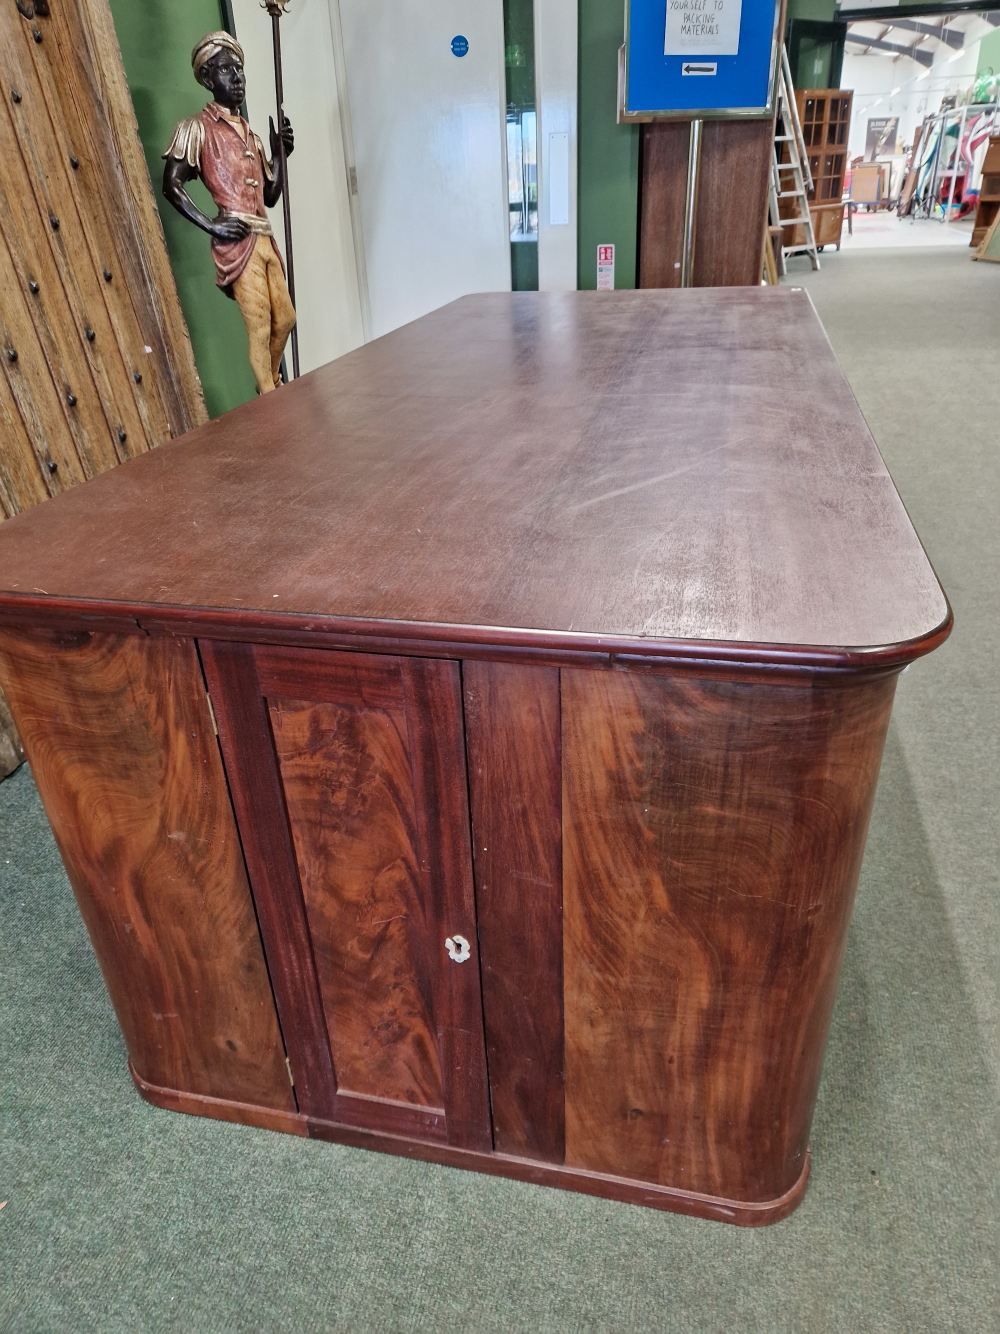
120 1217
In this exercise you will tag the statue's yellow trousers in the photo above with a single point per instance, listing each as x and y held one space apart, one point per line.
267 310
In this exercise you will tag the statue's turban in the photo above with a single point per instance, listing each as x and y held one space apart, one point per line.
210 45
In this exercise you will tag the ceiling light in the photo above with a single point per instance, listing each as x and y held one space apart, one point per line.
894 92
922 76
877 102
957 56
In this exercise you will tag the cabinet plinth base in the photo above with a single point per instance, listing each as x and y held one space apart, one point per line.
740 1212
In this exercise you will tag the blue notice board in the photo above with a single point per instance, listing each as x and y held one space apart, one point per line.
705 58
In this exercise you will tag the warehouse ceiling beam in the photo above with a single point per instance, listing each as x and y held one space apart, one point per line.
950 36
892 14
921 57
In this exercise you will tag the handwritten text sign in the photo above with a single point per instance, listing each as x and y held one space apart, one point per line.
703 27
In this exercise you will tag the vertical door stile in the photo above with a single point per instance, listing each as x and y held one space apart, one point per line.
258 799
512 721
435 715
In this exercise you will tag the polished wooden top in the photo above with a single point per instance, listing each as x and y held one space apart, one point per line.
569 469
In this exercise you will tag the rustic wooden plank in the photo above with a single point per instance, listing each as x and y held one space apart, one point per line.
121 746
258 799
434 715
30 384
37 277
346 773
513 742
22 474
71 97
47 158
152 285
713 839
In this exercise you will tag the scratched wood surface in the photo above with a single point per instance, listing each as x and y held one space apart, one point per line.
122 748
713 839
515 785
349 791
586 464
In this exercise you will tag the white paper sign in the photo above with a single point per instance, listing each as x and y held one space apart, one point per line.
703 27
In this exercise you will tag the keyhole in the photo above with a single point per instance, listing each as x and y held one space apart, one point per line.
458 948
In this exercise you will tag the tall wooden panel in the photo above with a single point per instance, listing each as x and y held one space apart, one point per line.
121 744
732 202
515 782
713 839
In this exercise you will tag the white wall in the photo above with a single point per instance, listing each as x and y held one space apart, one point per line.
373 85
556 66
428 138
328 299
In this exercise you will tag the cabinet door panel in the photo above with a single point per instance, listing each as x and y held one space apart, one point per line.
349 791
349 775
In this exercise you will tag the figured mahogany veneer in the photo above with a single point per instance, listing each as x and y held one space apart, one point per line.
551 655
121 746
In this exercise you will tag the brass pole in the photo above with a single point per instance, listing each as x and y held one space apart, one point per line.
691 204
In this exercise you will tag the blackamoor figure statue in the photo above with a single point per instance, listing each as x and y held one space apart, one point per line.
219 146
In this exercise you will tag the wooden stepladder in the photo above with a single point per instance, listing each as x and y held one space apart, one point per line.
791 177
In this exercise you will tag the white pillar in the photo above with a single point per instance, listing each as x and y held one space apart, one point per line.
556 57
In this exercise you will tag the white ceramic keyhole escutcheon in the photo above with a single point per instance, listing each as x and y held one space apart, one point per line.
458 948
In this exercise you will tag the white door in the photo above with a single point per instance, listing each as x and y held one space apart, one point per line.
327 293
428 128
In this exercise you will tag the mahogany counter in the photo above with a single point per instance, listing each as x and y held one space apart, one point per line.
551 642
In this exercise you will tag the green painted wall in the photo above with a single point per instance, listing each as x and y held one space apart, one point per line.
608 152
156 37
820 11
989 52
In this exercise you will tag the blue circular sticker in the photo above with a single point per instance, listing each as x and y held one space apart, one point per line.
460 46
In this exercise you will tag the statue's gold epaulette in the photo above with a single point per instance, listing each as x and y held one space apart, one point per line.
188 141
